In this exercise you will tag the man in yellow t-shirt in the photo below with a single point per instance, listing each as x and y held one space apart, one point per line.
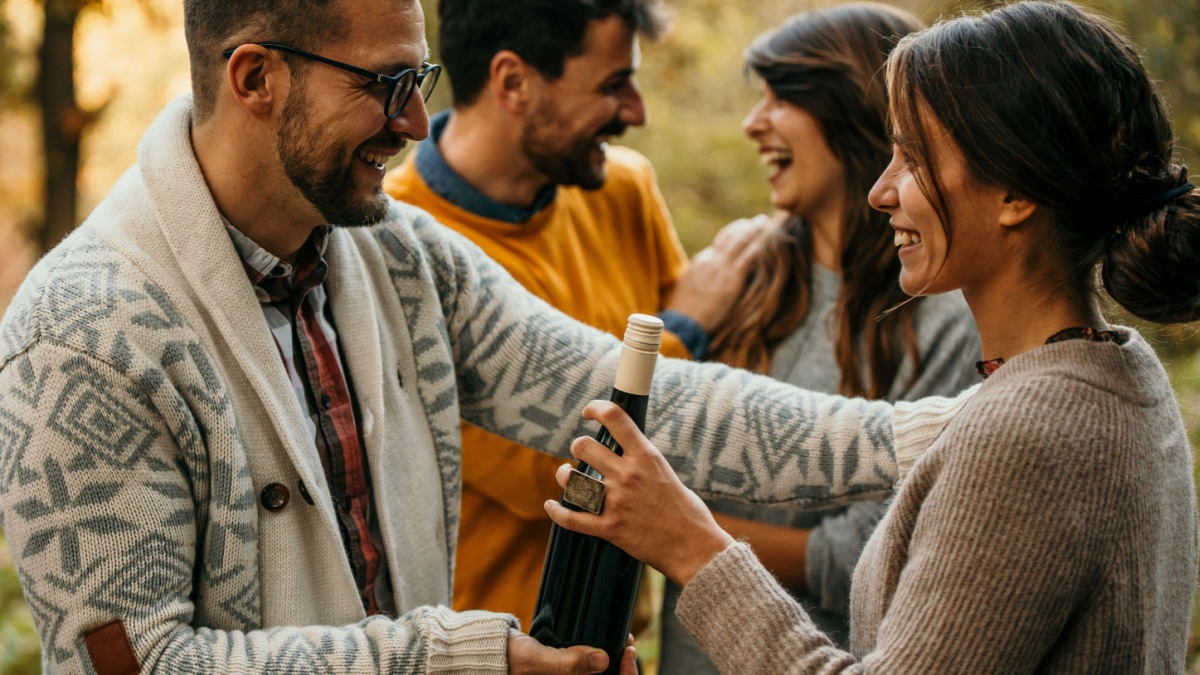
522 167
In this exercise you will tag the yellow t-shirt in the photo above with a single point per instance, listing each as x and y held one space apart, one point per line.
596 255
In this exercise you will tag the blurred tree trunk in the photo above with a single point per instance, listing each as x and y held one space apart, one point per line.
63 122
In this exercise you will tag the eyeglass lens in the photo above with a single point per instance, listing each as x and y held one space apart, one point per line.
404 88
430 81
400 94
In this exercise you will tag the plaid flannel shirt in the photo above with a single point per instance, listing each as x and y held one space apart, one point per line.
296 307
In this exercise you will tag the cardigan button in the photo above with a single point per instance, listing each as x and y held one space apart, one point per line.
274 497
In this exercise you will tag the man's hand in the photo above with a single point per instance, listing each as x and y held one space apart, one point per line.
527 656
717 275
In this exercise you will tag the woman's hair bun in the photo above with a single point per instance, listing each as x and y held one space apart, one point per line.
1152 263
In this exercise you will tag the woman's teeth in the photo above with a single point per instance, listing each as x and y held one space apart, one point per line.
905 238
775 157
378 161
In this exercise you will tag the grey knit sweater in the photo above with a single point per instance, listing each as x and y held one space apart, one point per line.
1050 528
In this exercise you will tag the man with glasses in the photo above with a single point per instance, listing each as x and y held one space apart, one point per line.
229 409
524 168
242 454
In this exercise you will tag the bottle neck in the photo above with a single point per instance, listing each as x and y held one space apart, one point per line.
635 371
633 404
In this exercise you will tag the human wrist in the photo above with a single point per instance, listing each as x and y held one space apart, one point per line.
699 555
694 336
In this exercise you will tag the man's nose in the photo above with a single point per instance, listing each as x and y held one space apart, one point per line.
413 120
633 111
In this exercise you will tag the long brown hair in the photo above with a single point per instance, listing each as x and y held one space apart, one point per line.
830 63
1049 101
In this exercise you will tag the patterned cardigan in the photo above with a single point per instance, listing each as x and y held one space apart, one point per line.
144 410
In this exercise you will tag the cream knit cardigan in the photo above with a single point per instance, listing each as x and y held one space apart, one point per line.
143 408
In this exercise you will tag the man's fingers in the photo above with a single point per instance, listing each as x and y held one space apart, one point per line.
703 256
584 660
736 236
730 232
749 253
527 656
629 661
762 225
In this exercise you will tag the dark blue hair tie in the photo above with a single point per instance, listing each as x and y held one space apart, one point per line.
1158 201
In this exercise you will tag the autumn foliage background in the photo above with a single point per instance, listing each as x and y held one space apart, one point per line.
80 80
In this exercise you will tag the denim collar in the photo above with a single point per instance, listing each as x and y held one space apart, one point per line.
448 185
274 279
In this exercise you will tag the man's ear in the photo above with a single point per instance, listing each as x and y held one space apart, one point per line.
1016 209
511 81
257 79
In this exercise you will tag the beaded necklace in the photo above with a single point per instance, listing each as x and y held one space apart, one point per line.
989 366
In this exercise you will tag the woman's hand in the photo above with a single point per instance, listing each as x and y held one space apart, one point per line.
647 512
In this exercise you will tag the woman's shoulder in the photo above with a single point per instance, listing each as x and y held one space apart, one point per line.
1100 399
1125 368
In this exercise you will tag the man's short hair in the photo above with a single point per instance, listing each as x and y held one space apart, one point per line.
542 32
212 26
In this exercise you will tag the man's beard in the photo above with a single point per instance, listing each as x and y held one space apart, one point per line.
312 168
572 166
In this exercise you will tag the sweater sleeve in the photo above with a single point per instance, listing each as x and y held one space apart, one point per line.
102 511
747 623
525 371
1002 545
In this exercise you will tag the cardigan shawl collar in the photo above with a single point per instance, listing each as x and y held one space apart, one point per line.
216 294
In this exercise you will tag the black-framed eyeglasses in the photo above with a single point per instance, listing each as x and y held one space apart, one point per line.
400 86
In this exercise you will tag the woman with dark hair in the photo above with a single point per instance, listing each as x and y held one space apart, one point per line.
825 273
1051 525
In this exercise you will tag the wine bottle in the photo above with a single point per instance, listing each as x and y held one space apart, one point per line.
589 586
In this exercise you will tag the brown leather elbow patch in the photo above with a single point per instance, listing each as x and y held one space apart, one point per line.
112 654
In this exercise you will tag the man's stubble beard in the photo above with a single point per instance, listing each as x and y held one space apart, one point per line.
572 167
311 167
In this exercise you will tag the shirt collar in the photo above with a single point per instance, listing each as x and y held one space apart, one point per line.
275 279
448 185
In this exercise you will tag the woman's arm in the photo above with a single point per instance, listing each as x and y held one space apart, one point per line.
951 591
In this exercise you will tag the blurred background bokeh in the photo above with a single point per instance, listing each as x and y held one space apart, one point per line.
80 80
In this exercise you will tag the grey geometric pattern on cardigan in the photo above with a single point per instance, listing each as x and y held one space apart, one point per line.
132 442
